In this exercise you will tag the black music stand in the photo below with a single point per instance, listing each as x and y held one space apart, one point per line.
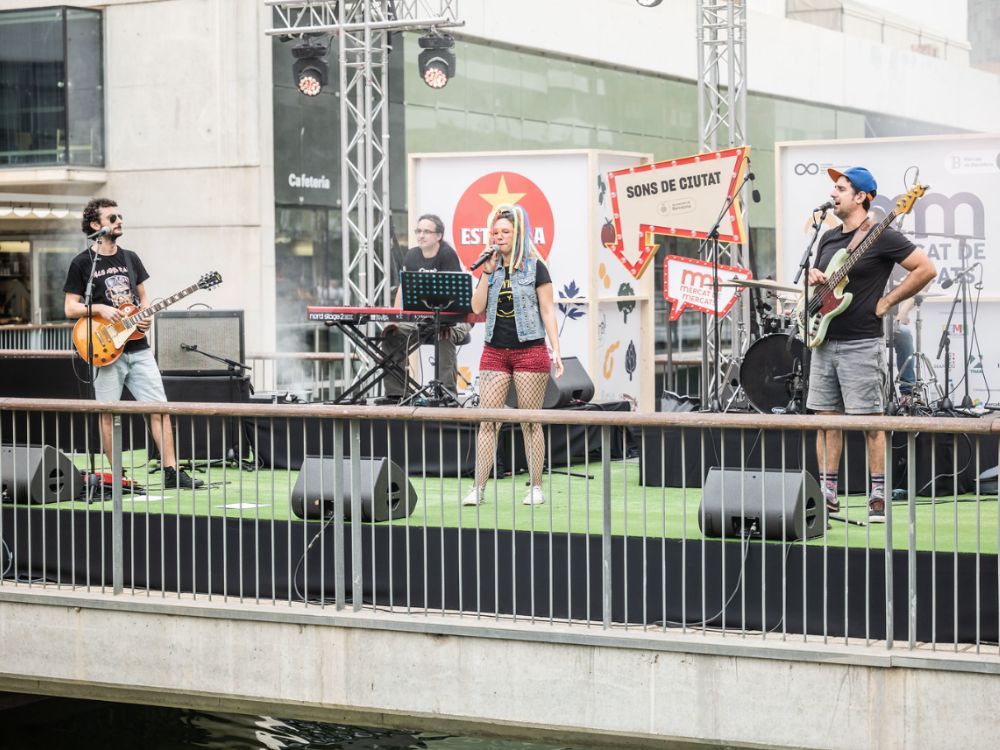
436 292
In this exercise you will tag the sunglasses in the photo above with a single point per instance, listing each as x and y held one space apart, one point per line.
112 218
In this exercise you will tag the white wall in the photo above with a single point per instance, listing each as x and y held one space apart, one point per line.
786 58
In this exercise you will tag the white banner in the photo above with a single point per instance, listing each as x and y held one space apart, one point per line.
688 283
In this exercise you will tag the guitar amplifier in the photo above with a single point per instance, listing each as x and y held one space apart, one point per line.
217 332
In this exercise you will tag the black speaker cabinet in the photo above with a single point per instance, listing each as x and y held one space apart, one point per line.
218 332
386 492
37 474
574 386
775 504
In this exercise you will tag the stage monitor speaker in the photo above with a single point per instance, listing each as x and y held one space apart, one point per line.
218 332
386 492
775 504
575 386
37 474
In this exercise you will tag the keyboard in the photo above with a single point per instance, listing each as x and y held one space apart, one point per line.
361 315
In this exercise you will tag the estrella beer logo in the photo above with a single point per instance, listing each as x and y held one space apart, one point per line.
469 231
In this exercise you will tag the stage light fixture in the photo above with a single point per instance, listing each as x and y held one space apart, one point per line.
649 3
436 61
310 69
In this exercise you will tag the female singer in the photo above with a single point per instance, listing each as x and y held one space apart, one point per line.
515 290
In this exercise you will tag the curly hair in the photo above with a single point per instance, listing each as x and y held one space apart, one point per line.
92 213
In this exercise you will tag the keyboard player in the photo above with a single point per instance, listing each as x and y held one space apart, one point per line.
431 253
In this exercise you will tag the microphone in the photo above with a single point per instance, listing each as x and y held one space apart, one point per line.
487 254
756 193
948 282
102 232
189 347
825 207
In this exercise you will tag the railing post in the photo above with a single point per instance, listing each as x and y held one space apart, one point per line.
338 514
356 571
117 554
606 528
911 558
889 631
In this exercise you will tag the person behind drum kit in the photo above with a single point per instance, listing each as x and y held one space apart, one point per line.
119 279
848 370
431 253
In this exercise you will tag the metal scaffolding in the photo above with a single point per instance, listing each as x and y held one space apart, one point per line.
722 113
361 29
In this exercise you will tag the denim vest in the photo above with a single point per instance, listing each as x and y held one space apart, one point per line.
527 318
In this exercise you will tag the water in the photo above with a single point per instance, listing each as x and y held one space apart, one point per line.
92 725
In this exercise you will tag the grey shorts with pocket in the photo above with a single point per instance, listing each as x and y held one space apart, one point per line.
848 377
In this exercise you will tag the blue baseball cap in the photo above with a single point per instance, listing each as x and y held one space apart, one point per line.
859 177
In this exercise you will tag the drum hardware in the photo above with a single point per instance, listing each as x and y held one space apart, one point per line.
771 374
919 399
760 284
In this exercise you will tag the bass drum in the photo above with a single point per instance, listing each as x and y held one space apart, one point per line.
771 372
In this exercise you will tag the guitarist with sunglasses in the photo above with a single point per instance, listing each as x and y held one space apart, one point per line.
848 371
119 279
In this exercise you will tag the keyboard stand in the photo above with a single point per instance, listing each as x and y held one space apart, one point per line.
371 347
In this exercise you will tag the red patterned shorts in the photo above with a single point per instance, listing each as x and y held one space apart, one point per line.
530 359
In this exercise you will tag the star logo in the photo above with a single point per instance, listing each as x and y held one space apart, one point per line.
469 231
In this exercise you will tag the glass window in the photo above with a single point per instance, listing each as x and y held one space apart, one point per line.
51 87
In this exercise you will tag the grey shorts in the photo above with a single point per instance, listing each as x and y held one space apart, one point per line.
138 371
848 377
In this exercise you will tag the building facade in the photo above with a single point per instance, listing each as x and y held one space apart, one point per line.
186 112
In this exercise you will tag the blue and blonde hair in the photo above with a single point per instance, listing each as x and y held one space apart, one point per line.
523 247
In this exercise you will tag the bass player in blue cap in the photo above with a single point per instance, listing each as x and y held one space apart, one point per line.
848 372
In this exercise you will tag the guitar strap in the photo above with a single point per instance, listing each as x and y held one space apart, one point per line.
860 234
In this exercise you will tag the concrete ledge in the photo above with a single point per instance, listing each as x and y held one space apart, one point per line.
625 688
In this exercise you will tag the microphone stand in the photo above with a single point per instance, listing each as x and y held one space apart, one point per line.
961 293
964 292
804 264
713 236
231 363
88 301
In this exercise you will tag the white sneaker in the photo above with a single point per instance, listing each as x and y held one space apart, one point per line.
534 496
475 496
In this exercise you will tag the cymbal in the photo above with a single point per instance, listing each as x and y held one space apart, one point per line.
760 284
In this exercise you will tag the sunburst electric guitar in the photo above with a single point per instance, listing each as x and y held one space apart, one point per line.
828 300
108 339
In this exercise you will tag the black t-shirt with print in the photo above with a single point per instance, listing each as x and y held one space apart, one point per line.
866 281
446 259
113 284
505 329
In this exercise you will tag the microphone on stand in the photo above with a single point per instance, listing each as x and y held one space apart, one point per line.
487 254
949 281
756 193
189 347
824 207
102 232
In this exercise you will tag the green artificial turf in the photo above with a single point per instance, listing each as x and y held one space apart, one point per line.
573 503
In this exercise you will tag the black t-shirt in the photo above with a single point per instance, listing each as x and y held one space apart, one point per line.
866 281
113 284
445 260
505 327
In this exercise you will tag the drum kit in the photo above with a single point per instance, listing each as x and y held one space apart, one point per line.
772 373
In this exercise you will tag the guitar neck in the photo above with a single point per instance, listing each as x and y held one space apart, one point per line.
837 276
163 303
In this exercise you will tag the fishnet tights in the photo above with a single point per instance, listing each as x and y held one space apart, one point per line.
530 389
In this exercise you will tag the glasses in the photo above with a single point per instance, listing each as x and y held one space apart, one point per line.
112 218
425 231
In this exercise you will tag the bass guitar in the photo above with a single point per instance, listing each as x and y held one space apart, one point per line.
107 339
828 300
